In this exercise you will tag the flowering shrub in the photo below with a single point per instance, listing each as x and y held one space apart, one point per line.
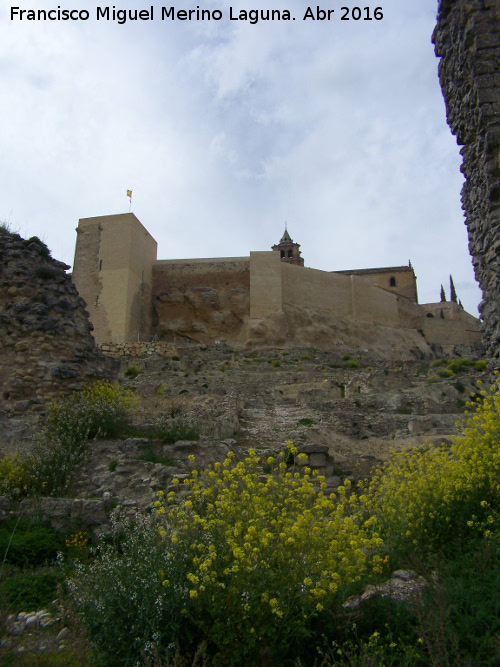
245 563
14 477
99 410
429 497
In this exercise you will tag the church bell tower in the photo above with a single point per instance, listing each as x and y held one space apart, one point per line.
289 251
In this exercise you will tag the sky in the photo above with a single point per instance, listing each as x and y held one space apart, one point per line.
226 130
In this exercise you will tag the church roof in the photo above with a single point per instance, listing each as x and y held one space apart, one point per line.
286 237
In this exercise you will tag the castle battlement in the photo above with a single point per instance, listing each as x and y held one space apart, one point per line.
269 297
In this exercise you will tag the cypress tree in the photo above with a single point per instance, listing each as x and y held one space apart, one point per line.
443 295
453 294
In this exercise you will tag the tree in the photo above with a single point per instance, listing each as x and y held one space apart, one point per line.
443 295
453 294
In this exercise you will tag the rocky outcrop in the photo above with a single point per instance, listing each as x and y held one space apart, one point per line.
47 346
467 39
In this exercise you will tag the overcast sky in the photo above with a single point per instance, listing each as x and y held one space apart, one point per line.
225 129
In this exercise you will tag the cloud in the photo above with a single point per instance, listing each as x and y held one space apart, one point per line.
224 130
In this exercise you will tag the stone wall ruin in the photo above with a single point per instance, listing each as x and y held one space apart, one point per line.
467 40
47 345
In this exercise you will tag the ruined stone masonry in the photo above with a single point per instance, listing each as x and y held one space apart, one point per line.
467 39
45 333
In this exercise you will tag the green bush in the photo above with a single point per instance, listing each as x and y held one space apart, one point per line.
439 362
276 363
29 591
28 544
480 365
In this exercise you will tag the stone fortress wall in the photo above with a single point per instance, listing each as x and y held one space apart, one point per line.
467 39
261 299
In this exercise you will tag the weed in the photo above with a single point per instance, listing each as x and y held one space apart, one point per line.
457 365
445 372
306 421
132 370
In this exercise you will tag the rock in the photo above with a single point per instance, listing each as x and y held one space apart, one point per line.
15 628
403 586
63 634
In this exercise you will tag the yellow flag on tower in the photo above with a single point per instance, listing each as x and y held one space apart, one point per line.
129 194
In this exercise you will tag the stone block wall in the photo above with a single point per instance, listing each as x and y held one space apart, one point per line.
139 349
467 40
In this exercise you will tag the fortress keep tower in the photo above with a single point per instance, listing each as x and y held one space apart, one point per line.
113 271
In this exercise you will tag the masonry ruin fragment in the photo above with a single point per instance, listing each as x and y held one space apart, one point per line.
467 39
